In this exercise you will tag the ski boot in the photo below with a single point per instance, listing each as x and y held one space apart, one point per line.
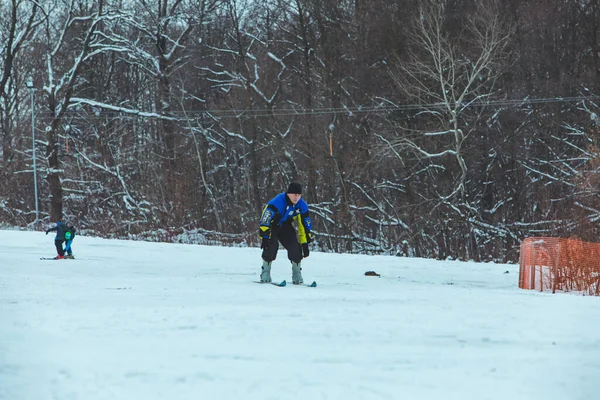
265 275
59 257
296 274
70 256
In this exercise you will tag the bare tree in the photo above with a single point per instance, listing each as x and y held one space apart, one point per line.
451 77
73 39
448 76
252 71
18 25
563 170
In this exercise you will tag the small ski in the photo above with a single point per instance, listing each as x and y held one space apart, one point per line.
54 258
314 284
280 284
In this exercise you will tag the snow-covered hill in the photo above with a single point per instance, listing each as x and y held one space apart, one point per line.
135 320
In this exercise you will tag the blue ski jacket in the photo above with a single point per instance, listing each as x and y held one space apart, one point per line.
280 210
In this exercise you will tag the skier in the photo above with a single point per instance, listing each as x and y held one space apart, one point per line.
276 227
69 236
60 229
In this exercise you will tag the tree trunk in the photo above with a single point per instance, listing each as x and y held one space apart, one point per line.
53 178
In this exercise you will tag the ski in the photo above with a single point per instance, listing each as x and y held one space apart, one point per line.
314 284
284 283
50 258
280 284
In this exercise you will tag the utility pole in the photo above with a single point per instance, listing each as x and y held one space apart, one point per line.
31 88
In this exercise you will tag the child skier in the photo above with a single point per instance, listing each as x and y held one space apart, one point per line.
69 236
61 233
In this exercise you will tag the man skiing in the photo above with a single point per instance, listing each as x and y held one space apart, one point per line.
276 227
61 229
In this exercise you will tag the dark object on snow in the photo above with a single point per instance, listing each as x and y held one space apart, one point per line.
371 273
506 272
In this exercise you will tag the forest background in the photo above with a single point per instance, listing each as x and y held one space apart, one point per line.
417 127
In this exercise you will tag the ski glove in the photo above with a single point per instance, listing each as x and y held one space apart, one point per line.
46 232
265 243
305 250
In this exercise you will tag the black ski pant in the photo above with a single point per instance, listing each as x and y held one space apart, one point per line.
58 243
286 235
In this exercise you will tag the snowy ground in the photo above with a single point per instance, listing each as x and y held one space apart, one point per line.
134 320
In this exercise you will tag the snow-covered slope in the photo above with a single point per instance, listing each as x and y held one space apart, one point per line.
135 320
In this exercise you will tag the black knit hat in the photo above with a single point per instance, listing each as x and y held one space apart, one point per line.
294 188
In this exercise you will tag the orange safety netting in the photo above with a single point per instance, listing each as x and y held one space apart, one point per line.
566 265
